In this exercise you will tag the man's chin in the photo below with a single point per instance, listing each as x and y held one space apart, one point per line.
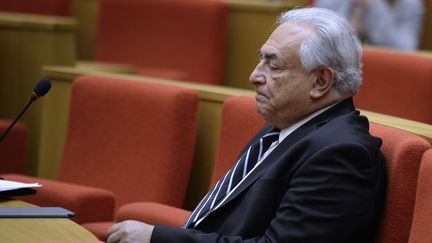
262 111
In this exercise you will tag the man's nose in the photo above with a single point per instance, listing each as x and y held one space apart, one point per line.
258 76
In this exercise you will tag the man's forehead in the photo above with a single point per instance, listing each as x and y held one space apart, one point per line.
288 34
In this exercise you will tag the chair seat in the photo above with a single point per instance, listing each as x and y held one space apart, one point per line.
153 213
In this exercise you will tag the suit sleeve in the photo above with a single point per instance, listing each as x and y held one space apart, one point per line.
330 196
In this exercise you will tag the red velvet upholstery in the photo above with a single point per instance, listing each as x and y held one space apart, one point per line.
44 7
403 152
239 123
422 221
13 148
186 38
133 138
396 83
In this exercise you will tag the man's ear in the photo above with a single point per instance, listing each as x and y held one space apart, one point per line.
322 83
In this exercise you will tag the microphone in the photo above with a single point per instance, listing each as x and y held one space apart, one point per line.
40 89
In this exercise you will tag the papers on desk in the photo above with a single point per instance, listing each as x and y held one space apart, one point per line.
6 185
14 188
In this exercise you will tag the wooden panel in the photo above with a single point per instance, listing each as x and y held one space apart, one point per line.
26 43
86 13
250 24
427 26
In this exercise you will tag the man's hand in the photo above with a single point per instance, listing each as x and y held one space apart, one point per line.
130 231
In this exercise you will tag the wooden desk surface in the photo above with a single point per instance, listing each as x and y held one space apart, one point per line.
40 229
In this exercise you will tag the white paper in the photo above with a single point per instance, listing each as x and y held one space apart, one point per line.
6 185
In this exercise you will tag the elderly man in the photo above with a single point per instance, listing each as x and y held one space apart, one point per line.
313 173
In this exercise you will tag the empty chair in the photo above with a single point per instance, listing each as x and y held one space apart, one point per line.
239 123
13 148
422 221
164 38
396 83
43 7
126 140
402 151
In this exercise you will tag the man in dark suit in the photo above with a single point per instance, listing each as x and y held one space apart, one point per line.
314 173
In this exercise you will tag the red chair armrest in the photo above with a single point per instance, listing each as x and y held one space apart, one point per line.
88 203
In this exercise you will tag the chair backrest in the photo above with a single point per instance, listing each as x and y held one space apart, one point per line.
44 7
13 148
239 122
133 138
166 38
402 151
422 220
396 83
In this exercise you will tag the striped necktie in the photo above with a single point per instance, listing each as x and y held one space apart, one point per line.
227 183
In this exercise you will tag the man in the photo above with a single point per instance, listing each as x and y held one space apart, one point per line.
323 178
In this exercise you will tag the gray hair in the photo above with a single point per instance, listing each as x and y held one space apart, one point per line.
333 44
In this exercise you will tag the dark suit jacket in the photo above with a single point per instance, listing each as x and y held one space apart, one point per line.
324 183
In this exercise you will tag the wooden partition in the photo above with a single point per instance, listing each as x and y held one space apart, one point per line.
250 24
86 13
55 113
27 42
427 27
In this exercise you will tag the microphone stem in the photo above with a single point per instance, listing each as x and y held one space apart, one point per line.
17 118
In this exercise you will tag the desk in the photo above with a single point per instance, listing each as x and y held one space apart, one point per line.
40 229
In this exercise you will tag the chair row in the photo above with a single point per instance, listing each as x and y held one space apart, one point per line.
51 41
128 155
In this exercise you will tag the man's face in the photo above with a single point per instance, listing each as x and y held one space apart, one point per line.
282 87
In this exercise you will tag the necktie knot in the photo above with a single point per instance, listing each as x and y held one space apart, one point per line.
267 140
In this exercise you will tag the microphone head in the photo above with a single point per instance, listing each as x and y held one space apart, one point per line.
41 88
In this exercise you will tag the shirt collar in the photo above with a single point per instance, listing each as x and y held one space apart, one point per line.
287 131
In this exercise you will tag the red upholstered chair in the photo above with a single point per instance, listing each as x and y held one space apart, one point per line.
44 7
396 83
403 152
422 221
134 140
239 123
13 148
165 38
401 149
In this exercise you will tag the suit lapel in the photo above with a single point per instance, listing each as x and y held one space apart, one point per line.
343 107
